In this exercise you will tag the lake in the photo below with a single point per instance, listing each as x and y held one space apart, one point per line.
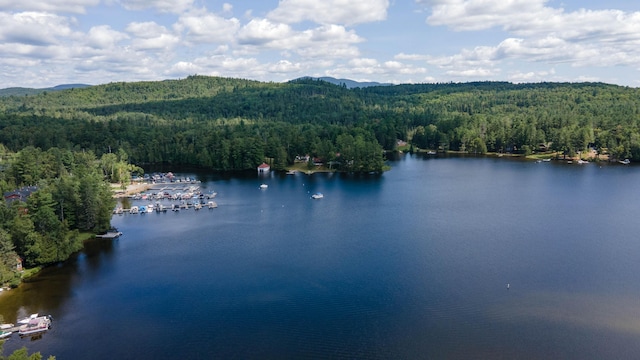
413 263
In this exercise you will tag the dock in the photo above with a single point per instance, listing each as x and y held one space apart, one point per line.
109 235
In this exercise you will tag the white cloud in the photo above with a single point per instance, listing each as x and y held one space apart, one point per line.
33 28
368 69
284 67
263 31
72 6
330 41
201 26
411 57
485 14
104 37
149 36
475 73
597 38
347 12
531 76
165 6
327 41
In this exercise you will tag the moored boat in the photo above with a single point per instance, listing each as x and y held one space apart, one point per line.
35 325
6 330
317 196
25 320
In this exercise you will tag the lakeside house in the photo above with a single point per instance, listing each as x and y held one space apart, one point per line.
264 168
19 195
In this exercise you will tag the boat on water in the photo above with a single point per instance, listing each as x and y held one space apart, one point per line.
212 205
25 320
264 186
317 196
35 325
625 162
5 330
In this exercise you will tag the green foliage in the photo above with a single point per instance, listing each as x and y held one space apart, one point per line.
21 354
71 196
234 124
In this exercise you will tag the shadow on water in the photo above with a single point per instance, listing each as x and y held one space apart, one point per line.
47 291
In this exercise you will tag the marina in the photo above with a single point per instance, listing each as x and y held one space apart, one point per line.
163 197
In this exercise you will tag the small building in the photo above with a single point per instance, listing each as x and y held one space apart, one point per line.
264 168
18 263
19 195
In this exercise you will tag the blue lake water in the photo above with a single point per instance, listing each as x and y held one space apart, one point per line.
410 264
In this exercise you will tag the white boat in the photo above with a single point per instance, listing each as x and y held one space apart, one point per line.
625 162
5 330
26 320
35 325
212 195
317 196
212 205
582 161
264 186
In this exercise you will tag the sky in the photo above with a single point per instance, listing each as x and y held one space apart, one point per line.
45 43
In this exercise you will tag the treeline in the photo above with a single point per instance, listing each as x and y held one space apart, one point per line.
59 195
234 124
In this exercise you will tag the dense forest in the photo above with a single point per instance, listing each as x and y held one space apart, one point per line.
68 144
59 195
234 124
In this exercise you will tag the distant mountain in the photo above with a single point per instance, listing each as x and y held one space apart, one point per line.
69 86
347 82
20 91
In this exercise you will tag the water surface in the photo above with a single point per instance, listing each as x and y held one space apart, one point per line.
410 264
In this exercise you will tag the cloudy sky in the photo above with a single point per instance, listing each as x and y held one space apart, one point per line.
49 42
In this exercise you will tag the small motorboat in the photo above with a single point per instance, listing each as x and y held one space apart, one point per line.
264 186
317 196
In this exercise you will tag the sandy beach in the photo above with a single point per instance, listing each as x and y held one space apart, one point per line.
131 189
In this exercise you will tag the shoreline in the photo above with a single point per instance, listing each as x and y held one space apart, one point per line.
131 189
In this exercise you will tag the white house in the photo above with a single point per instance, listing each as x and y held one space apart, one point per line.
263 168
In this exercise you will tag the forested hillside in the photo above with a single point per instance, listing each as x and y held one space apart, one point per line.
232 124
